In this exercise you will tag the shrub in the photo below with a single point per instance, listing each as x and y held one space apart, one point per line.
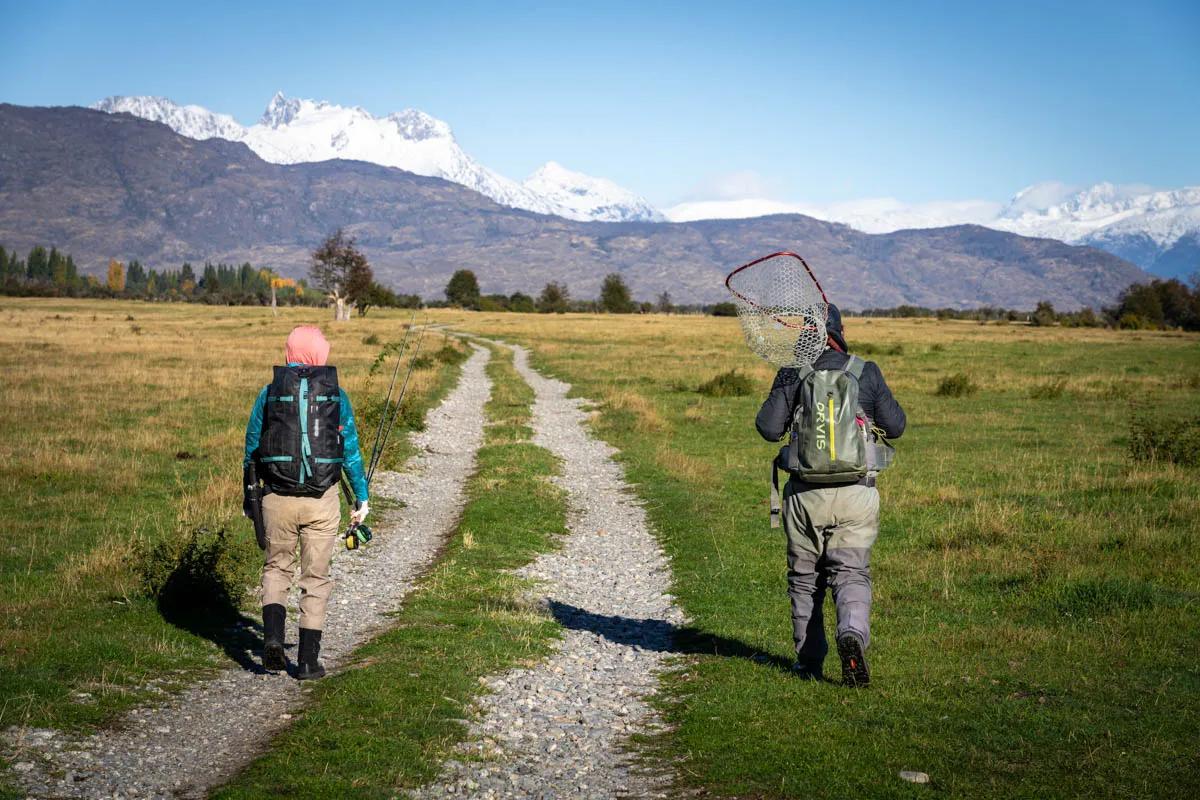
1164 438
727 384
204 574
372 339
1096 597
422 362
869 349
449 354
724 310
1048 391
956 385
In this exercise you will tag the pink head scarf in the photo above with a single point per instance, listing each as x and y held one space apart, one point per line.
307 345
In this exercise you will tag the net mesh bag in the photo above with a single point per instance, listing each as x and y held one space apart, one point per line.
782 309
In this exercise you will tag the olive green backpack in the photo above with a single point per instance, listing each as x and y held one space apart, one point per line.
832 441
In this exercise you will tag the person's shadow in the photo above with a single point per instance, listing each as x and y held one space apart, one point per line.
195 599
659 635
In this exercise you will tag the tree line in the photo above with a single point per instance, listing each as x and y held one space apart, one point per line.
1157 305
340 275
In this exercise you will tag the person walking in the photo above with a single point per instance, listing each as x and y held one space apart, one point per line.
831 520
300 438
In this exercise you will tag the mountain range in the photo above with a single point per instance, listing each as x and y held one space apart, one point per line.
101 185
1158 230
294 131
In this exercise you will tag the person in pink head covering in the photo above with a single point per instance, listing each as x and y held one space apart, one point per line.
300 439
307 345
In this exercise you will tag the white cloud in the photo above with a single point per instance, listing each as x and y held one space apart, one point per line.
740 185
873 215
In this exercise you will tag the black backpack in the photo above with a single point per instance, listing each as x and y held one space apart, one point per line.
300 450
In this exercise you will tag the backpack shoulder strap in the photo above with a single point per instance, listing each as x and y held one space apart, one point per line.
854 365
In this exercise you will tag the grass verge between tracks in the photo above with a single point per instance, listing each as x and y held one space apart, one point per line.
387 721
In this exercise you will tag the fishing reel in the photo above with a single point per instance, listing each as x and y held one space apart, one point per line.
356 536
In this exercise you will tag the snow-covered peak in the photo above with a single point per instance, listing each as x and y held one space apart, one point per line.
1057 211
583 196
419 126
193 122
280 111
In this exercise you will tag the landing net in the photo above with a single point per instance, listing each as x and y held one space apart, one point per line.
782 309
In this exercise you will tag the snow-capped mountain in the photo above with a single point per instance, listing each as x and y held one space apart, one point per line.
593 198
1055 211
293 130
1157 230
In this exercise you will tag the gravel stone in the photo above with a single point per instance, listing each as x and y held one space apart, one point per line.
560 729
203 736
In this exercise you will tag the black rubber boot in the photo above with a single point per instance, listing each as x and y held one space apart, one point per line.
854 663
274 617
807 671
310 648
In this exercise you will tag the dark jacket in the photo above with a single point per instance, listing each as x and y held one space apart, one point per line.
775 417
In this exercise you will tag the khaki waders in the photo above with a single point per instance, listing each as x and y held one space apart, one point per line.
313 524
830 532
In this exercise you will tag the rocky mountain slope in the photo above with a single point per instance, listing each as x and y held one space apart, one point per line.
104 185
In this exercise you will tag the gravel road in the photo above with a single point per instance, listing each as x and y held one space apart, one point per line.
203 736
560 729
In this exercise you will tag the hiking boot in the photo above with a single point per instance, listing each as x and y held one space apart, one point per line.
854 663
808 672
274 617
310 648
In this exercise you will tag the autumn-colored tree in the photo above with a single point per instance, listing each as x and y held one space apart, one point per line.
116 276
337 267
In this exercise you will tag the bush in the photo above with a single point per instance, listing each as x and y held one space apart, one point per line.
868 349
724 310
727 384
956 385
1164 438
450 354
372 339
205 574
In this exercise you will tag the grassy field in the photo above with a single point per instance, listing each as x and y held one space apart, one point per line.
1035 629
125 434
1037 588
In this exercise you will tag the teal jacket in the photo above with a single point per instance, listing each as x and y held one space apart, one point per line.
352 466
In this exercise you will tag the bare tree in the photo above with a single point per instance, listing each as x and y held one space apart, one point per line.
339 269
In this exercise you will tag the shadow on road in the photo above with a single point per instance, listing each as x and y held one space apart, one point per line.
661 636
238 636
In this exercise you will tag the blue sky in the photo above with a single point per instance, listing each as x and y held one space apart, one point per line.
817 101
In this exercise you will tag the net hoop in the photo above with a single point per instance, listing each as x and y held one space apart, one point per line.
748 301
782 308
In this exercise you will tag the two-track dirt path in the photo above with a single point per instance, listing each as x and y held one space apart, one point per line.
560 728
203 736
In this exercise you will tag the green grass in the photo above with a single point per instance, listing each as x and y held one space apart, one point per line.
119 442
1035 625
387 722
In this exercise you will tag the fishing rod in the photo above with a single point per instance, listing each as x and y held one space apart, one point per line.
357 533
388 397
376 456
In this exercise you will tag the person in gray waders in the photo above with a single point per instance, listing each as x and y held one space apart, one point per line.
300 438
838 411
